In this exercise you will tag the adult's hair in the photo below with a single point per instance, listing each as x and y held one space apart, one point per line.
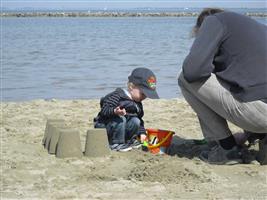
206 12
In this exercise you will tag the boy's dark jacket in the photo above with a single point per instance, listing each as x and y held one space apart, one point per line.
119 98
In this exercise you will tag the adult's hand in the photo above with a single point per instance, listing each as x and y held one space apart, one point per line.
241 138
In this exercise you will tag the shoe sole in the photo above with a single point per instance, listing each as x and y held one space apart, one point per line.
137 146
228 162
125 150
262 155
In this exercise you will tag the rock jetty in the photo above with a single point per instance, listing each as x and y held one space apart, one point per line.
110 14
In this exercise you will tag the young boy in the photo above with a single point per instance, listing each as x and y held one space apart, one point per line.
122 111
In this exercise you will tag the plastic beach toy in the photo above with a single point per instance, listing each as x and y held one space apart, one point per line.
158 140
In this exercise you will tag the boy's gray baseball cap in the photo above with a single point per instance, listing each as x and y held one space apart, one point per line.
146 80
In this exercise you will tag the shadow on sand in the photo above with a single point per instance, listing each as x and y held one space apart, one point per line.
186 147
190 149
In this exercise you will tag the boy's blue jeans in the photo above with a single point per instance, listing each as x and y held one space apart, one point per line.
121 129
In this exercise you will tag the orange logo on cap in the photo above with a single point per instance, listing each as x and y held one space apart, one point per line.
152 82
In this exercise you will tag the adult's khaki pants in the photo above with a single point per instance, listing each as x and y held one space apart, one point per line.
215 105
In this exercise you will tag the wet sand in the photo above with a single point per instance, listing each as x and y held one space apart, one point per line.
28 171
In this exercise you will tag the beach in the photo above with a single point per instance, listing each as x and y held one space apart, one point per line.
29 172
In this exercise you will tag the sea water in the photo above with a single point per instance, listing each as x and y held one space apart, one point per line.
86 58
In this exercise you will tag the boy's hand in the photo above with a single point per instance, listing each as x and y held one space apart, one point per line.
119 111
142 138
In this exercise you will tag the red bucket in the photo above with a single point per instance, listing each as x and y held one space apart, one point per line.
158 140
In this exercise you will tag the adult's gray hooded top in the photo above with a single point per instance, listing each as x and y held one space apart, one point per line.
234 47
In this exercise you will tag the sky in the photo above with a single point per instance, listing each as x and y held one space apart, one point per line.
128 4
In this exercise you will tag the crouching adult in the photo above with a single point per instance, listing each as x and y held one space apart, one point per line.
224 78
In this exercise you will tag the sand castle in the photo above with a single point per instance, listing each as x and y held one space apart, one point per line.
48 131
64 141
96 143
69 144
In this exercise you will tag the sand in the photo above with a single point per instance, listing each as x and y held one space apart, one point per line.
28 171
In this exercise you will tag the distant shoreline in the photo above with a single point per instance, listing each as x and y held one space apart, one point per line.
113 14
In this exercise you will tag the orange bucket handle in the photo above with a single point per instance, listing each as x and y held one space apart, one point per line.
161 142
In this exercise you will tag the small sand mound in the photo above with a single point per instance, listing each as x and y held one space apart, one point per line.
165 171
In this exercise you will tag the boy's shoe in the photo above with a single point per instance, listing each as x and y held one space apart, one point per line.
135 144
124 148
120 147
113 147
262 155
219 156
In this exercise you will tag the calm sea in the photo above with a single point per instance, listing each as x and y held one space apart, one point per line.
85 58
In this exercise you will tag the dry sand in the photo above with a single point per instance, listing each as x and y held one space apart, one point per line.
28 171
